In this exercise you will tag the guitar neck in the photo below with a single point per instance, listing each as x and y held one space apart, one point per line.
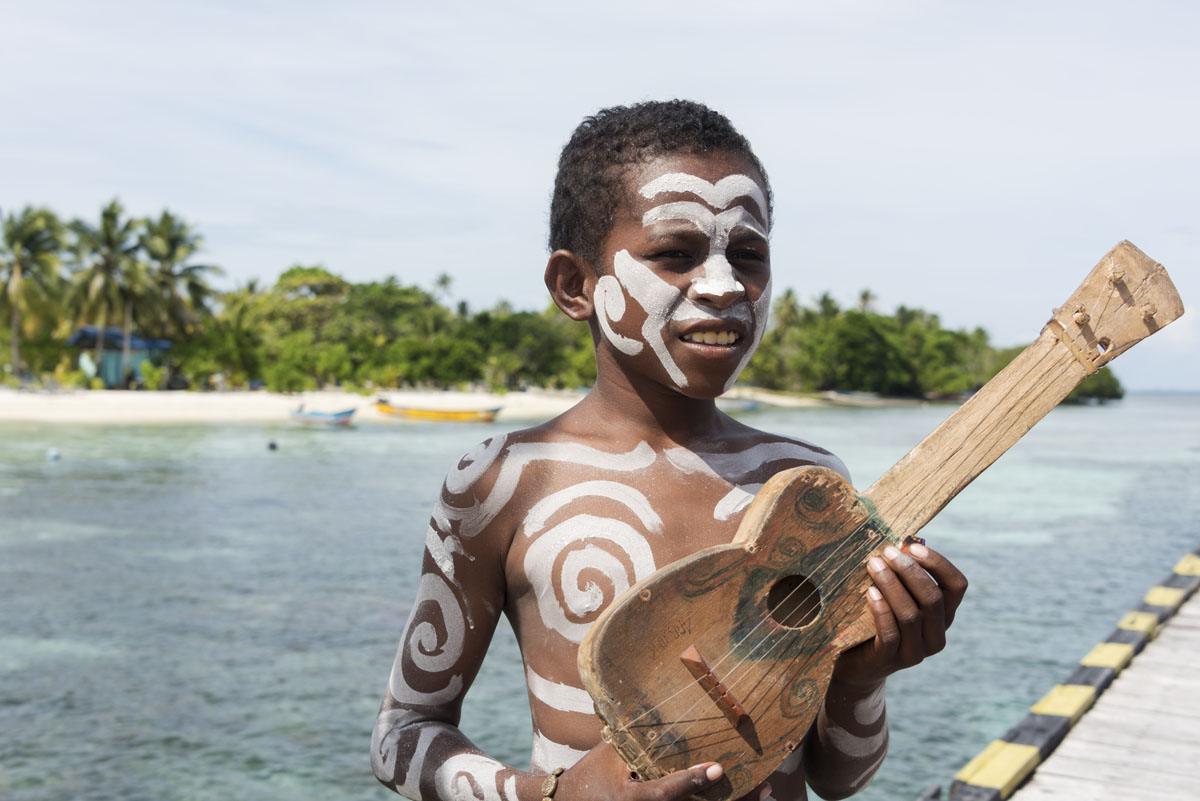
1124 299
976 435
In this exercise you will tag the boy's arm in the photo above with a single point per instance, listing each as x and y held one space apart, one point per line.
417 748
913 601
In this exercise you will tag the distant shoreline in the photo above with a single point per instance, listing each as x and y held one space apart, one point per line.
118 407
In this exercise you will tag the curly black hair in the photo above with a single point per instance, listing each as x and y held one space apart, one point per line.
590 185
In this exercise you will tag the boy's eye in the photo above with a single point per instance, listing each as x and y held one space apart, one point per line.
746 255
665 255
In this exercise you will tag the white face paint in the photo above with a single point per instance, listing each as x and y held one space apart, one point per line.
718 195
666 305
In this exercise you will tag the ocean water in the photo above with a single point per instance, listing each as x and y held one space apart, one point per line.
185 614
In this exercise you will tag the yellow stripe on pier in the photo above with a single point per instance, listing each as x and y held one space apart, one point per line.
1115 655
1066 700
1001 766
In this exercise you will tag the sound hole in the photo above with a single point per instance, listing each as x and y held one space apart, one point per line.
794 602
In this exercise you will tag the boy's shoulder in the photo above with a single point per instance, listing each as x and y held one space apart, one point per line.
744 445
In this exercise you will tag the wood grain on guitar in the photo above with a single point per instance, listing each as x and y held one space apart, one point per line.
743 637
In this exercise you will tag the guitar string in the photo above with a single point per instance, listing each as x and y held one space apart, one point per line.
799 665
783 639
705 740
735 646
731 680
858 550
833 554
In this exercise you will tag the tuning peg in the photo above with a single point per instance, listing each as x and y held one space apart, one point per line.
1115 275
1148 311
1081 316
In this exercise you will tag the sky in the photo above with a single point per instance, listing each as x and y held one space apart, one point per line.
972 159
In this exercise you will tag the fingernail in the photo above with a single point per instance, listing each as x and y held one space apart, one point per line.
714 772
896 556
918 550
876 565
874 594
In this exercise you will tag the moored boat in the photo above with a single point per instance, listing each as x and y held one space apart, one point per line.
431 414
313 417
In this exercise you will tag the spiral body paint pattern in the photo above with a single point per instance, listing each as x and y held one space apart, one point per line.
587 542
431 656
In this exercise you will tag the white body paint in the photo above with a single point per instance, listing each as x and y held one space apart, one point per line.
556 695
472 777
575 551
869 710
852 744
385 744
663 303
737 468
548 755
423 649
624 494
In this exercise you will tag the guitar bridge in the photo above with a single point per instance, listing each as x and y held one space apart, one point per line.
737 715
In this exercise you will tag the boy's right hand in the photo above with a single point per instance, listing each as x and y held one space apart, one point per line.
603 776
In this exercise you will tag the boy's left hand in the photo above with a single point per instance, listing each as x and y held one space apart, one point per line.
913 602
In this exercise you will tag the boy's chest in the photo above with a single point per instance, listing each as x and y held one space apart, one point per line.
582 536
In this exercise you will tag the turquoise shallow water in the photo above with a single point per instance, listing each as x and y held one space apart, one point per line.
187 615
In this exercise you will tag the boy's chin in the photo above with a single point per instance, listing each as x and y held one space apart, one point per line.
705 387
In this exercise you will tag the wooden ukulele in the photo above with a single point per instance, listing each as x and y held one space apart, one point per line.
726 655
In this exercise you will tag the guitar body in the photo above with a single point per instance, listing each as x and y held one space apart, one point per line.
726 655
737 642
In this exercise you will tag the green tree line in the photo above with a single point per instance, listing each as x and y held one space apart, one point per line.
313 328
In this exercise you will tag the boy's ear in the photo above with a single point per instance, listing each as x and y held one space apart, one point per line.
571 282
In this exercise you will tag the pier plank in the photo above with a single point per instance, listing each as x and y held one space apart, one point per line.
1141 739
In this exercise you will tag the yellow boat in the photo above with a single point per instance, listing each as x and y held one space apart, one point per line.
438 415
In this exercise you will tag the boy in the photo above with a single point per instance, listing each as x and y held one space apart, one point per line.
659 232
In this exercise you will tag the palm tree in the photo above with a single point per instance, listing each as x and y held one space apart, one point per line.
109 279
181 289
866 299
29 267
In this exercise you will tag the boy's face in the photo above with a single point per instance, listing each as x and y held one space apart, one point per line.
685 283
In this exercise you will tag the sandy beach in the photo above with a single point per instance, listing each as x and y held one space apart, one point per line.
117 407
131 408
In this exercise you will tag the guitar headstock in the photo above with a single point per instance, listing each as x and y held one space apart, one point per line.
1124 299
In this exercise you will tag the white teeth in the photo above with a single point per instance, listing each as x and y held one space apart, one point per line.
712 337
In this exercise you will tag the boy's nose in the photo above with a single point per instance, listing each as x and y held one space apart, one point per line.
716 284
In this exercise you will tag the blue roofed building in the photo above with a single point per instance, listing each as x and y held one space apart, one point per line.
141 350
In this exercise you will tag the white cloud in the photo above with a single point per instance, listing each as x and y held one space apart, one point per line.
974 160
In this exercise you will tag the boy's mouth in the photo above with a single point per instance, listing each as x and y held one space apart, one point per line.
721 338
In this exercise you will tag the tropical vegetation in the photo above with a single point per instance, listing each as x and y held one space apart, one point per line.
313 328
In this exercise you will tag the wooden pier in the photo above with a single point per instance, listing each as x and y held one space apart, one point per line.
1142 737
1124 725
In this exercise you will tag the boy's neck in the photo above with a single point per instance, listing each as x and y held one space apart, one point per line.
651 412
